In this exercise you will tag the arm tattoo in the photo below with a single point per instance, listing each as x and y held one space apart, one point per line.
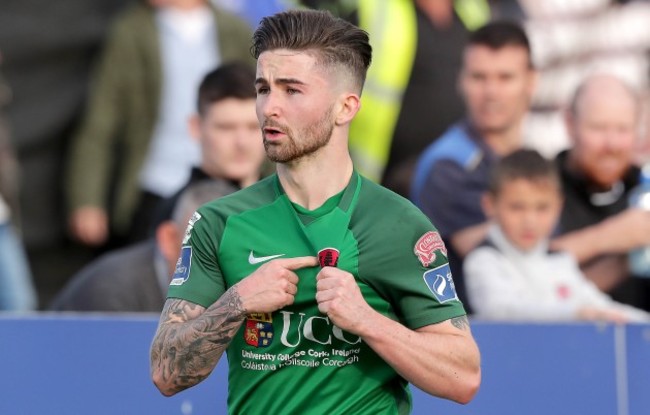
190 340
460 323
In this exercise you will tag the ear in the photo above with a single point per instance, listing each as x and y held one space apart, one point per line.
569 124
194 126
348 108
532 85
168 238
459 84
560 204
487 203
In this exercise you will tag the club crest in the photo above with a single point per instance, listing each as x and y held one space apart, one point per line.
427 246
259 329
328 257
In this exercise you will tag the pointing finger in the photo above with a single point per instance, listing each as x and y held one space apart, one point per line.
297 263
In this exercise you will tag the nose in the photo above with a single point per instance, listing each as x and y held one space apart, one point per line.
268 105
529 218
491 87
617 139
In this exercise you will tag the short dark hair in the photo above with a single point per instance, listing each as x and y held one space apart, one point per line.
523 164
498 34
231 80
337 41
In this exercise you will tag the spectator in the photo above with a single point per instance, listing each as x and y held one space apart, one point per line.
156 55
497 82
571 40
135 278
513 275
597 173
16 289
410 95
47 66
227 130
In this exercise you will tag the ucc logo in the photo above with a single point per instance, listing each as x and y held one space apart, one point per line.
295 328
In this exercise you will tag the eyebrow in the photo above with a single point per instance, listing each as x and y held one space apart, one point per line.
281 81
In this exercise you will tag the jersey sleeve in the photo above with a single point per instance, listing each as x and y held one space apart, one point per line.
405 261
197 277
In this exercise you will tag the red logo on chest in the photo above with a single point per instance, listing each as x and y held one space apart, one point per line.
328 257
259 329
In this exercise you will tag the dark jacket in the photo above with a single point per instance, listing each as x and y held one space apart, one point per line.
124 280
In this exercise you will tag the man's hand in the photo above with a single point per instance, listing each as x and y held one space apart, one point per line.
273 285
629 229
89 225
617 234
602 314
339 297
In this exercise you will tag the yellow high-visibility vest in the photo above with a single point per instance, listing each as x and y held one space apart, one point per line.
392 25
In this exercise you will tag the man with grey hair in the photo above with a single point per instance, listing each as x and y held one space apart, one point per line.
597 225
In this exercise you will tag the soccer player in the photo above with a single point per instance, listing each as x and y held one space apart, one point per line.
343 337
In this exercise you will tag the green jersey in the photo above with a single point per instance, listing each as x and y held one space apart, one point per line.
294 360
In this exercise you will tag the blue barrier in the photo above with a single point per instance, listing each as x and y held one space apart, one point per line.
95 364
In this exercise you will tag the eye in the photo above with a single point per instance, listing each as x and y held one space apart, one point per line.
263 90
292 91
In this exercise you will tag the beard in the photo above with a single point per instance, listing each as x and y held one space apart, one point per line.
312 139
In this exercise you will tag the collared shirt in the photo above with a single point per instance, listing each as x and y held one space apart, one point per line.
579 209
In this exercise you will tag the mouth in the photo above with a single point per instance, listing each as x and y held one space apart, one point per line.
528 236
272 133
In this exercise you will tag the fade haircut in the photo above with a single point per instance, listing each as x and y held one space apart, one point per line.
523 164
231 80
499 34
336 42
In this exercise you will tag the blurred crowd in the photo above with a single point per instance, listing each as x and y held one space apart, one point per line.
119 118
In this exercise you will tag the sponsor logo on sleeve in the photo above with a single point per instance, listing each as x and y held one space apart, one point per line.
182 271
259 329
188 231
427 246
441 283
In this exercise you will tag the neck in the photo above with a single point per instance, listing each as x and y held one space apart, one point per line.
188 5
313 179
219 174
505 141
439 12
573 166
247 181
